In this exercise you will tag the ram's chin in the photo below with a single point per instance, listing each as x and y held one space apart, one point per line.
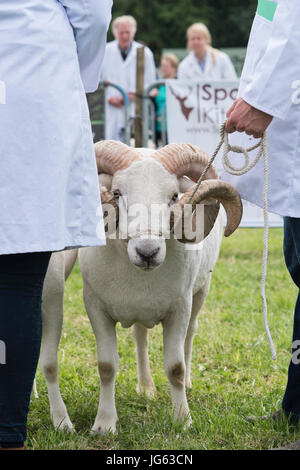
149 265
144 267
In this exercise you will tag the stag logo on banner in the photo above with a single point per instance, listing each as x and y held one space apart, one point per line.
186 110
196 110
2 92
2 353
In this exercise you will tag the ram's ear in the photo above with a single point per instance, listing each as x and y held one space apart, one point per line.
185 184
110 210
105 180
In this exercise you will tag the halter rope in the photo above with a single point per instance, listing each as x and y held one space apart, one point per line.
262 145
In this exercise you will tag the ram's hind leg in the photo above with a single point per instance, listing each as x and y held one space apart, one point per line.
145 381
198 301
52 309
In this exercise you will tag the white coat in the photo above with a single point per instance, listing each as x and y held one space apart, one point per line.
51 52
223 69
122 73
270 82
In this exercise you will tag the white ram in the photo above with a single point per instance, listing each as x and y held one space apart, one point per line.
144 276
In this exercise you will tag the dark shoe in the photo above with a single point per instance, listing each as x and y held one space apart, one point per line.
277 417
12 446
293 446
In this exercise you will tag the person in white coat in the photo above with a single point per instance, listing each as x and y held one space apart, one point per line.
269 98
119 67
204 62
51 53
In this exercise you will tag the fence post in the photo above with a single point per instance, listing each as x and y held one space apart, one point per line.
140 68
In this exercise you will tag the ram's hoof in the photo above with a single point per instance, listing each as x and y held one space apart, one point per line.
63 424
103 427
149 390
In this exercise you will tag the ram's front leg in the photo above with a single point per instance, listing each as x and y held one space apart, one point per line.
106 419
174 333
105 333
52 313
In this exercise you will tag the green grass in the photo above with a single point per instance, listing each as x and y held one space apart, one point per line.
233 373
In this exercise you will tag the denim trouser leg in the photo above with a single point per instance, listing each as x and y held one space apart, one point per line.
21 283
291 399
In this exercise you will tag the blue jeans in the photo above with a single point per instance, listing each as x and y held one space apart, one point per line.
21 283
291 246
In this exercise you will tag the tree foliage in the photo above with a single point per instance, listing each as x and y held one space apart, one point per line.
163 23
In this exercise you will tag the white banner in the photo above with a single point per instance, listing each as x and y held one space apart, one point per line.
195 112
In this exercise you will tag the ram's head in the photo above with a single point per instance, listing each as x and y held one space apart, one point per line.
140 191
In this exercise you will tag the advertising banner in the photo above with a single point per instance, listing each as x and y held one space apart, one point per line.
195 112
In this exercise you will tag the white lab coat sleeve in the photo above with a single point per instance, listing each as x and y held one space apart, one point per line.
90 21
150 70
103 69
271 89
182 71
228 70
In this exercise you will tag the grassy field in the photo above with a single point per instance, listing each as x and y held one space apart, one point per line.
233 373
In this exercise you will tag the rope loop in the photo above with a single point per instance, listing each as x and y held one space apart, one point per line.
246 166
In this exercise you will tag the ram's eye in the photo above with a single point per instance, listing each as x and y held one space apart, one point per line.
116 193
174 198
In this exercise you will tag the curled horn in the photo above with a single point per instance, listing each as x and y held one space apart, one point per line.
112 156
221 191
188 160
185 159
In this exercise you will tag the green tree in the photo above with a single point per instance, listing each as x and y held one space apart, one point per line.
163 23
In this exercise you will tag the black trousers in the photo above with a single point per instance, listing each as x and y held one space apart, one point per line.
291 399
21 283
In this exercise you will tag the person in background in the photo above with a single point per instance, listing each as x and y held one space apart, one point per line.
268 100
204 62
51 53
168 70
119 67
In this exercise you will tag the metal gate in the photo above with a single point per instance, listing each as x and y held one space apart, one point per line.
96 102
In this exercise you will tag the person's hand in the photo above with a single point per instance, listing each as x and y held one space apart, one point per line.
242 117
154 93
116 101
131 96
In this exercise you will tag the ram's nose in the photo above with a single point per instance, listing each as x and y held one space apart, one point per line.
148 256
